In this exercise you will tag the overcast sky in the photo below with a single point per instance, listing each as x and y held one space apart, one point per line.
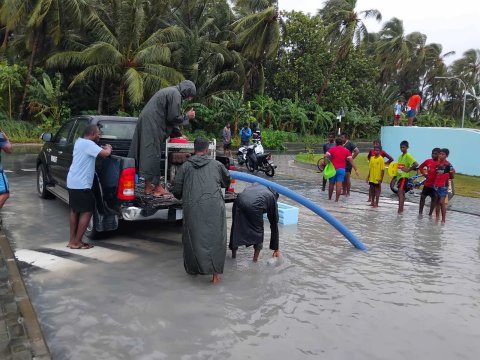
453 24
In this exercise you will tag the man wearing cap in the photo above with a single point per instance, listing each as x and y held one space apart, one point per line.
247 219
159 118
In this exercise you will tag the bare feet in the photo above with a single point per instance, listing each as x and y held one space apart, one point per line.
149 188
161 192
216 278
276 253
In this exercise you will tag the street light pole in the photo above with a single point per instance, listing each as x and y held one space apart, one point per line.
464 92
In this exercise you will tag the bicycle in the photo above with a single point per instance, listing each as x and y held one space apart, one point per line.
413 184
320 164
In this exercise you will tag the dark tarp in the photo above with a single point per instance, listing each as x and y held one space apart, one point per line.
156 121
198 183
247 217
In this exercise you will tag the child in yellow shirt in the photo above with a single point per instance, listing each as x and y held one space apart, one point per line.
376 171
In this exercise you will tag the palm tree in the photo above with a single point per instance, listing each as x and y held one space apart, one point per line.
392 49
258 37
467 68
231 106
38 20
203 55
345 28
124 53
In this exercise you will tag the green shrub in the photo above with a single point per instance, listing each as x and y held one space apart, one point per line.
274 139
20 131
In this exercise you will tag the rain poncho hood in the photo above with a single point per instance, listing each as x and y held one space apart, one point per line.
199 183
187 89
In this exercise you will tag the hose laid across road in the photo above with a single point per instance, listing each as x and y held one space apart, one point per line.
305 202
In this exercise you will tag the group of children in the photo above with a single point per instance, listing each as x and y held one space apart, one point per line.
437 170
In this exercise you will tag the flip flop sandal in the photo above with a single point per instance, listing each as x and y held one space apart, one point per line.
80 247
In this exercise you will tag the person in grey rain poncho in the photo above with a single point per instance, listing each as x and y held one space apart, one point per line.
198 183
247 219
160 116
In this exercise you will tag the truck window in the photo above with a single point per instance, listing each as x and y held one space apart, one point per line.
79 129
62 135
117 130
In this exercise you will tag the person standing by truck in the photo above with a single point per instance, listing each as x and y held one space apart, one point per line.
199 183
80 182
158 119
6 146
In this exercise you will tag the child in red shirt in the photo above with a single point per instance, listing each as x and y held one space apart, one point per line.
429 173
444 172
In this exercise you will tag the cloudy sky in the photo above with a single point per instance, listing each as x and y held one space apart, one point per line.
453 24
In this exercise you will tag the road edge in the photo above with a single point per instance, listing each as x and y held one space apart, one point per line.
34 332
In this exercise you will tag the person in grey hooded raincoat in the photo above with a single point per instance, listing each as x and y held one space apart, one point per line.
247 219
199 183
160 116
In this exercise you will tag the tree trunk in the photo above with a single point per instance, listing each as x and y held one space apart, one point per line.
9 100
122 97
326 81
5 39
29 74
101 97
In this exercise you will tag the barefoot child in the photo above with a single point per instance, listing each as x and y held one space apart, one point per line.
376 171
406 163
445 172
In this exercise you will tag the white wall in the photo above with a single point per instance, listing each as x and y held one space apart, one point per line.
464 144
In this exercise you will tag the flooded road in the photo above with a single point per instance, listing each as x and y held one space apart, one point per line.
414 294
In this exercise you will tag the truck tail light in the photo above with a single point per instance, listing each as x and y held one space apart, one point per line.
126 184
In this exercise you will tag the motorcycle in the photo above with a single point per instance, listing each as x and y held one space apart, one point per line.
260 162
242 151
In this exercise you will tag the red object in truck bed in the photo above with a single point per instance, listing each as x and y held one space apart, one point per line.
179 140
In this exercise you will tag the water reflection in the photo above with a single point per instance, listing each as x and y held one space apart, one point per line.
414 294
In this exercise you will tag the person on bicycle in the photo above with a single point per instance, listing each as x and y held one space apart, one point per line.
429 170
406 163
327 146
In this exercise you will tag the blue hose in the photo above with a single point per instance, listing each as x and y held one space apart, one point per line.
305 202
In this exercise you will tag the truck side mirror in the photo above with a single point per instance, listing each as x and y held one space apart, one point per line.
47 137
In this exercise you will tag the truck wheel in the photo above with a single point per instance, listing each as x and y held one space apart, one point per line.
42 183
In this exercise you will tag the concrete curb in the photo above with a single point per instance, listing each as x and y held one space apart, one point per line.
23 337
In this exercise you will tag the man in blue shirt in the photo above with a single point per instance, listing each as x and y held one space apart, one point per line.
80 181
245 134
6 146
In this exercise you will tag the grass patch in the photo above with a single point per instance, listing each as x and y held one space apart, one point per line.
464 185
21 131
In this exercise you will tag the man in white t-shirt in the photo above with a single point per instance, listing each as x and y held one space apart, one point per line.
80 181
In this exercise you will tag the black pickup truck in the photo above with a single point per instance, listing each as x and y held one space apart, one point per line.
118 191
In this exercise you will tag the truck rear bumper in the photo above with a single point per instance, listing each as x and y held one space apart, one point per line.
133 213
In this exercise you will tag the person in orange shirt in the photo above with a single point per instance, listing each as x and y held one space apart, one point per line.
413 105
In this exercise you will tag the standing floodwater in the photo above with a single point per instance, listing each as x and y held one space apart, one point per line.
413 295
